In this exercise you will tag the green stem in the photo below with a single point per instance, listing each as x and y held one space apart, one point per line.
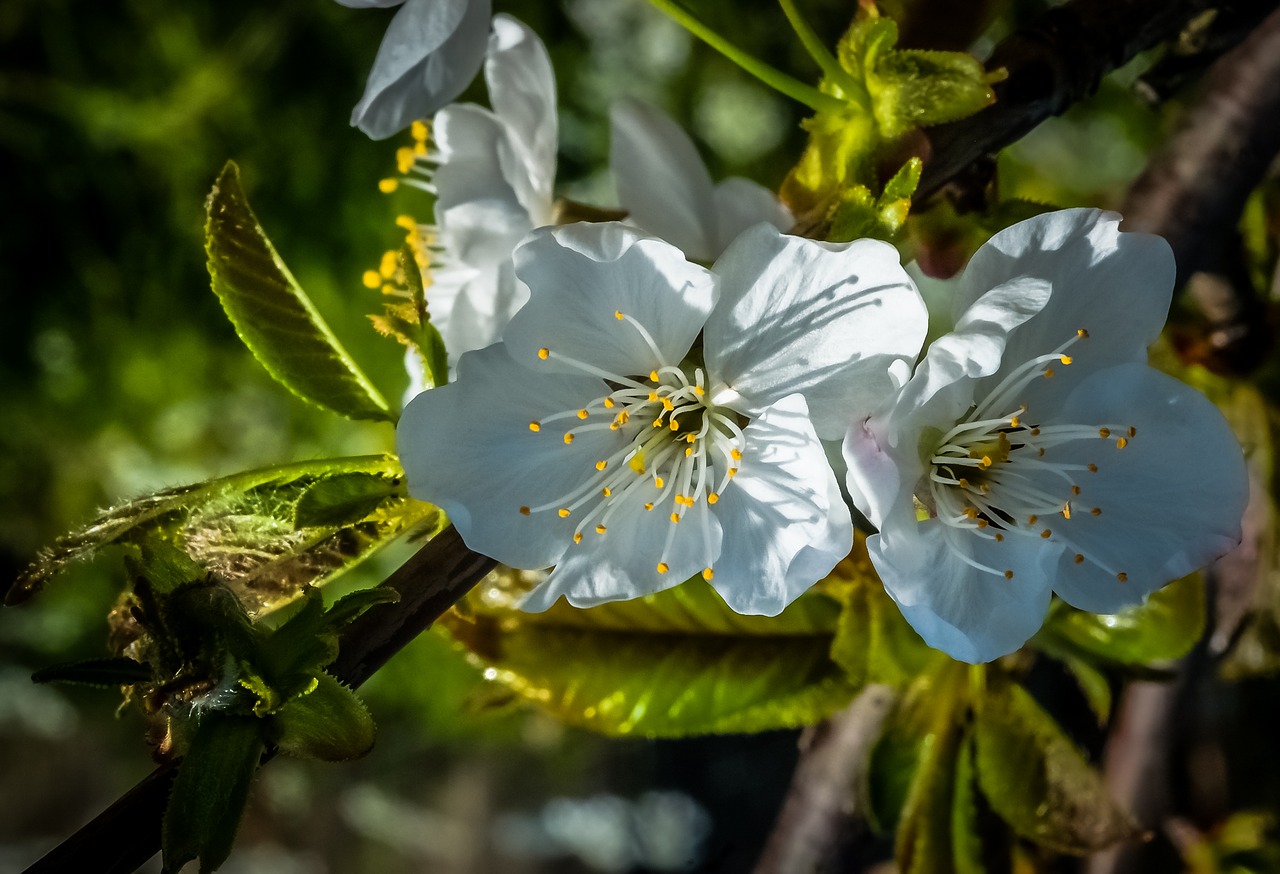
774 78
813 45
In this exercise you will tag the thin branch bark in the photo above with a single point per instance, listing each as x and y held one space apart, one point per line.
822 802
1055 62
127 833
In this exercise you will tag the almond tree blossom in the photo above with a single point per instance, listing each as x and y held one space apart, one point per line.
431 51
1034 451
645 419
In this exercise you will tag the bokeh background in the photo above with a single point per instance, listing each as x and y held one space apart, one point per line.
120 375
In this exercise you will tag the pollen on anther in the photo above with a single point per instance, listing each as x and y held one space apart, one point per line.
609 404
1031 520
1122 443
699 390
1040 452
648 506
601 465
568 438
986 461
1096 511
735 454
1046 534
1122 577
1093 468
1133 432
675 517
733 471
617 314
1075 489
524 511
600 529
582 414
663 567
712 498
1082 334
1104 432
1079 559
999 537
653 375
577 537
1008 575
535 427
1066 359
563 512
688 452
659 482
707 574
606 491
1066 511
543 353
1015 422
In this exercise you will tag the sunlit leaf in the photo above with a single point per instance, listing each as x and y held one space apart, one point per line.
676 663
273 315
1166 627
344 498
1037 781
330 724
210 791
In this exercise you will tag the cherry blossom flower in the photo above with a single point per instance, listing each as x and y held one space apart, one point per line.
431 51
1034 451
645 419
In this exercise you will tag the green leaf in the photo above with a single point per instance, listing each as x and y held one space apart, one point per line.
1166 627
344 499
430 344
1093 684
244 529
210 792
330 724
676 663
96 672
1037 781
273 315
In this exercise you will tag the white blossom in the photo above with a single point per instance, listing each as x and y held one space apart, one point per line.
1034 451
645 419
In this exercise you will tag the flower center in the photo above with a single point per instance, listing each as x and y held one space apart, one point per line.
987 476
678 447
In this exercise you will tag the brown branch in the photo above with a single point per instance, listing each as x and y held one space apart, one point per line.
127 833
1055 62
821 803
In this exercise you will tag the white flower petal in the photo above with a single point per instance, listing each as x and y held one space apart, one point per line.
522 89
970 614
583 275
430 53
876 474
467 448
662 183
473 312
741 203
622 563
785 524
1171 500
1117 286
823 319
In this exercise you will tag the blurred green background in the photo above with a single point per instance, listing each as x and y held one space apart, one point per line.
120 375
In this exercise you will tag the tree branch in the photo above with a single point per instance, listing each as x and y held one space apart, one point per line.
822 802
127 833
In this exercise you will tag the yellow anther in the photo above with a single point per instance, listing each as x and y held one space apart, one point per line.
1082 334
1093 468
613 426
535 427
659 482
582 414
577 537
617 314
999 538
1035 432
699 390
563 512
690 437
1008 575
982 523
986 461
609 404
1075 490
387 266
653 375
648 506
524 511
386 186
1079 559
1040 452
735 454
624 417
1104 433
1048 373
712 497
964 483
600 529
675 517
371 279
971 512
675 426
688 453
404 159
733 471
543 353
568 438
1122 577
1122 443
707 574
1133 432
606 491
653 396
1096 511
1046 534
601 465
419 131
1031 520
1015 422
1066 511
668 405
663 567
406 222
1065 359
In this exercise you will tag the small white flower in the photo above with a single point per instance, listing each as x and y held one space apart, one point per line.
666 189
645 419
1034 451
431 51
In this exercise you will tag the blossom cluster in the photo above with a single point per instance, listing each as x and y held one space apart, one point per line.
695 392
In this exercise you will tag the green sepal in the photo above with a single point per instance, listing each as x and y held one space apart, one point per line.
103 673
273 315
860 214
328 724
428 341
1036 779
672 664
211 791
1165 627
